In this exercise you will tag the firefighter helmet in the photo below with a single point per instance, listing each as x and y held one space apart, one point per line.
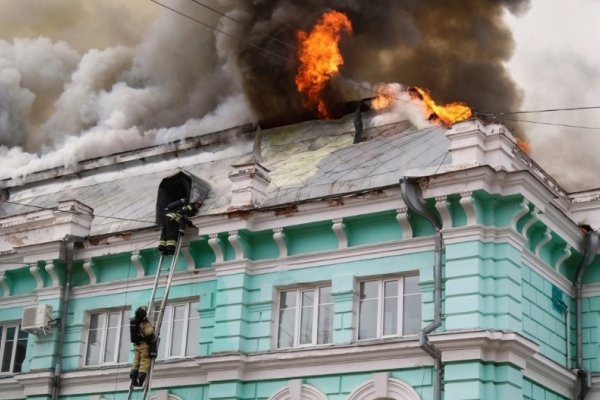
141 312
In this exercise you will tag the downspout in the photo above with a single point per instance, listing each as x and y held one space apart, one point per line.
411 194
592 243
69 243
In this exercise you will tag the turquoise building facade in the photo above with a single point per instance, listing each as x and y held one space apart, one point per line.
307 274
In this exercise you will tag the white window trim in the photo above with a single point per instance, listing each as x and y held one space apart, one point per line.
381 279
5 326
295 389
382 386
166 341
277 309
86 332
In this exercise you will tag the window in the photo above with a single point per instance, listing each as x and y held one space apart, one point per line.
108 339
305 317
389 307
13 344
180 330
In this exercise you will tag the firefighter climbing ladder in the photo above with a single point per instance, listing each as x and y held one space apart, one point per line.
160 272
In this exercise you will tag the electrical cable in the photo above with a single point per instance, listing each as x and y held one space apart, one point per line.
77 212
493 114
552 124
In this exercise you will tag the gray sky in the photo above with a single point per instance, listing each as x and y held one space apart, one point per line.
556 63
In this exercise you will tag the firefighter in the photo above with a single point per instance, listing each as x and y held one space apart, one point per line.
176 215
144 341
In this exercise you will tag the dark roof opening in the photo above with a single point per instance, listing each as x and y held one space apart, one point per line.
181 185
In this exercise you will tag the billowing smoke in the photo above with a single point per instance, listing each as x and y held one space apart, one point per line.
61 103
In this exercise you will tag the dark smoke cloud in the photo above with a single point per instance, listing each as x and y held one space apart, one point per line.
455 48
62 102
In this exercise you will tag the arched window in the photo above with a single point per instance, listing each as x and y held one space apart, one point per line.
382 387
165 396
297 390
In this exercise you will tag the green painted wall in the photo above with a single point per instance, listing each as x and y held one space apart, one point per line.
533 391
476 380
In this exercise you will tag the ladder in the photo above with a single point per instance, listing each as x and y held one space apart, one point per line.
160 271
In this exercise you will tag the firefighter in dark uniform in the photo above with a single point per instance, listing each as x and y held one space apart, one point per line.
174 220
144 340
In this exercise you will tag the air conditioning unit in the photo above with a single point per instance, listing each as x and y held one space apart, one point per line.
37 319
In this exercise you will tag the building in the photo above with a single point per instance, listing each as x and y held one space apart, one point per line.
311 272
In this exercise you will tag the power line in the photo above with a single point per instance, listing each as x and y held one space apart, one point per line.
552 124
493 114
77 212
220 31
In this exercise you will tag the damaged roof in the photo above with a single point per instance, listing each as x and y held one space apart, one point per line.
305 161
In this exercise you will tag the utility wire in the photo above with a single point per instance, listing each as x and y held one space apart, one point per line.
552 124
220 31
494 114
77 212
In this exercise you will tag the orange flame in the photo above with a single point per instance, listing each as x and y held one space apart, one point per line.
320 58
524 145
448 114
385 96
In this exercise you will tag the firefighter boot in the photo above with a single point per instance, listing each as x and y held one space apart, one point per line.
141 379
133 375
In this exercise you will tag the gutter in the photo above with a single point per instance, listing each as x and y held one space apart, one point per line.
592 244
411 194
69 243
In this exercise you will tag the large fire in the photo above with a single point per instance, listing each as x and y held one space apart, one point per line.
447 114
320 58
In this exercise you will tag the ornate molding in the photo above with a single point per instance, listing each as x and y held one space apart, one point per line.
523 210
213 242
402 218
466 201
566 254
340 232
547 238
235 240
51 270
189 260
89 270
279 238
39 282
534 218
4 285
442 205
137 263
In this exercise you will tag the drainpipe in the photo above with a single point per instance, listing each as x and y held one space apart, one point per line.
592 243
69 243
411 194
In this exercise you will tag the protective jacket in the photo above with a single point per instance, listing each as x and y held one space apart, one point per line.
144 340
176 216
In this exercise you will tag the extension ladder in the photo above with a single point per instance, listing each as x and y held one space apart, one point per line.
160 271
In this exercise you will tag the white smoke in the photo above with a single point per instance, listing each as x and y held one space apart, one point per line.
402 107
58 107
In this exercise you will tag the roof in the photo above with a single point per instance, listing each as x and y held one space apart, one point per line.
305 161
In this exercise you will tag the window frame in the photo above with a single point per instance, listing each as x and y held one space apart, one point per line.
164 347
298 315
4 327
380 324
124 327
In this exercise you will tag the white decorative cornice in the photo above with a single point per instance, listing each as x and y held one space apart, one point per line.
235 240
402 218
280 240
534 218
189 260
546 271
466 201
442 204
565 256
213 242
51 270
89 270
136 260
340 232
39 282
545 240
4 285
523 210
